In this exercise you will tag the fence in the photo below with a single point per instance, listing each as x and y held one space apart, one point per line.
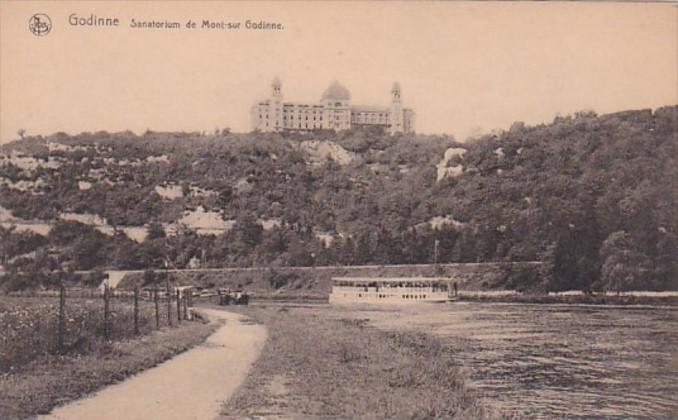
182 300
74 320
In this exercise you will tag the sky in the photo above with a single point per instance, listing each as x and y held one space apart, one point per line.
464 67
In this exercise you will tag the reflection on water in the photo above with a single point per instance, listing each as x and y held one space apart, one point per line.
546 361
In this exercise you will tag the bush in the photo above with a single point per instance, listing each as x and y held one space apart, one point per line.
278 280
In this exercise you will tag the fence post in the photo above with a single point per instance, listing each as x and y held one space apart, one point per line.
136 310
62 315
169 304
186 306
178 306
157 308
107 311
190 302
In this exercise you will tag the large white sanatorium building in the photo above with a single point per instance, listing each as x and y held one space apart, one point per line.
334 112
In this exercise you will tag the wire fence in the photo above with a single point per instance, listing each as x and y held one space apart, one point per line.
66 321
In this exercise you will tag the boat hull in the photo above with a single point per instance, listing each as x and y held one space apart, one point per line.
341 297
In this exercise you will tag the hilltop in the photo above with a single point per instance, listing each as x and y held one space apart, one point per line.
592 196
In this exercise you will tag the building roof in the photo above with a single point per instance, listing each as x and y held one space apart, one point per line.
369 108
390 279
336 91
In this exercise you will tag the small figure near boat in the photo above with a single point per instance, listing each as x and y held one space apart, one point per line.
229 297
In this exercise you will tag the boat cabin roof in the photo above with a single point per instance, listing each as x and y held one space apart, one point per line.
396 280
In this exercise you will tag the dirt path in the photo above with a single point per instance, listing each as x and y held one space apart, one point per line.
190 386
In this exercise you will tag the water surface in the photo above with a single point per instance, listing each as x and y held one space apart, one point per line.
554 361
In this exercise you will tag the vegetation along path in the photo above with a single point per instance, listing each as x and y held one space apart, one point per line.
192 385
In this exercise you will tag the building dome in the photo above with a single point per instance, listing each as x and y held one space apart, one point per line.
276 84
336 91
396 87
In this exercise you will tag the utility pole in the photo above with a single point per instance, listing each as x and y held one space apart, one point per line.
436 244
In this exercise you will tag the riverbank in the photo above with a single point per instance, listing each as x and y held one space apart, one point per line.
319 364
571 299
316 282
38 386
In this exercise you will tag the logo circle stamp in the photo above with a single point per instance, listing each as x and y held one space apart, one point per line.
40 24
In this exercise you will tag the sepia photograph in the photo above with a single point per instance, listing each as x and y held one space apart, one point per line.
338 210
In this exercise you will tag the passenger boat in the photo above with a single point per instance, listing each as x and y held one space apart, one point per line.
348 290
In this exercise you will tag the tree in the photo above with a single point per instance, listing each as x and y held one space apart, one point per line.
246 235
155 231
363 249
14 243
624 268
666 262
297 254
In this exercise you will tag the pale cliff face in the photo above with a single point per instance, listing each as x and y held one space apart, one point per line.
443 171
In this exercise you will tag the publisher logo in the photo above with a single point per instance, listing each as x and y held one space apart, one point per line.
40 24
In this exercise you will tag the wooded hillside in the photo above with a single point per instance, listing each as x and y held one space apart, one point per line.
595 197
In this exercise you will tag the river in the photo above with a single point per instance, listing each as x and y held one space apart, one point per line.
555 361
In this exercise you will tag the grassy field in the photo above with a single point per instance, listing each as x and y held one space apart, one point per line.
35 376
29 327
317 364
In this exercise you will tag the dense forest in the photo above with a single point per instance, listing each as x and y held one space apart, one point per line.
594 197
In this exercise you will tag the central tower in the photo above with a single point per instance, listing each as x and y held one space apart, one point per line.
337 103
396 111
276 105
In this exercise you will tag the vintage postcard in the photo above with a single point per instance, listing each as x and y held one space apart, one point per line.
338 210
